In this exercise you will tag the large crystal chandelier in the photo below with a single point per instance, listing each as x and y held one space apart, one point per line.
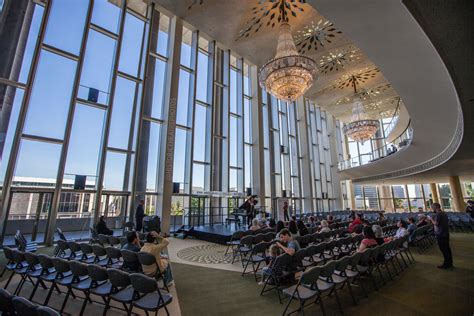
289 75
361 128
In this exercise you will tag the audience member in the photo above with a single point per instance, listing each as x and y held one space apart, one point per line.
470 208
381 216
330 219
279 226
312 222
324 226
411 227
369 239
356 222
402 229
274 252
287 244
378 232
255 226
271 223
133 242
263 223
293 228
102 227
154 245
422 220
302 228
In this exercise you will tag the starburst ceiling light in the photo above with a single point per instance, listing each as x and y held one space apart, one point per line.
316 35
361 128
289 75
337 59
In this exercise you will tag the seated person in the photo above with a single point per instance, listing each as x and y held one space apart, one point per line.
411 227
369 239
262 224
302 228
378 232
102 227
155 244
324 226
274 252
381 216
279 226
287 243
356 222
133 242
312 222
422 220
401 231
255 226
330 219
272 223
293 228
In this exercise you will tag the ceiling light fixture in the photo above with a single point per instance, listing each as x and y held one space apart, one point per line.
361 128
288 75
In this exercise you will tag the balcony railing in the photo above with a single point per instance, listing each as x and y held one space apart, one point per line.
403 140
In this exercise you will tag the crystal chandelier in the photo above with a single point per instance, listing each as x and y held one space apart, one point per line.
361 128
289 75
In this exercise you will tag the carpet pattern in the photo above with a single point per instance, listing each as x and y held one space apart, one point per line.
210 254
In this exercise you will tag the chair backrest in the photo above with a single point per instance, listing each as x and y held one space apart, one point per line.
94 233
129 226
247 240
60 233
6 304
123 241
354 259
23 307
269 236
146 259
257 239
118 278
103 239
328 269
310 276
97 273
45 262
99 251
237 235
299 256
260 248
86 248
60 265
130 259
282 261
63 245
78 269
342 264
31 259
143 284
113 253
18 256
113 240
74 246
46 311
8 253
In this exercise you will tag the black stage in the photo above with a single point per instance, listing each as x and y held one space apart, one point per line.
217 233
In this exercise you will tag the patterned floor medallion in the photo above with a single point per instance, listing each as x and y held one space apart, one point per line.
205 254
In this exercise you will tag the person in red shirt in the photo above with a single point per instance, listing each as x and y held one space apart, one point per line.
356 222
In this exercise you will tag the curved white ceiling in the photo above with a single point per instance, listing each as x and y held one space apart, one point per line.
391 37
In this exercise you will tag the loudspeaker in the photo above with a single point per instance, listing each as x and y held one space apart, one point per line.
175 187
80 182
93 95
248 191
283 193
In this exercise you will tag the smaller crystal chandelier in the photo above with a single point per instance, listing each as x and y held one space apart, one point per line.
361 128
289 75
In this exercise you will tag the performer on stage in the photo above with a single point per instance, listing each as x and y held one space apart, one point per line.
249 209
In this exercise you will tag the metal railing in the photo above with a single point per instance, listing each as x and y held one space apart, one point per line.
403 140
394 119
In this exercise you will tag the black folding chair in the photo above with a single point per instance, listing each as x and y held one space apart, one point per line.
80 282
6 304
304 290
10 265
130 261
46 311
48 275
23 307
150 298
256 257
147 259
122 292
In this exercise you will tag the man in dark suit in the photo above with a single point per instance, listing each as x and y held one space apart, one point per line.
139 214
441 226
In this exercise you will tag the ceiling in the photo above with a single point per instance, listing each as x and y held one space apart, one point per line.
338 57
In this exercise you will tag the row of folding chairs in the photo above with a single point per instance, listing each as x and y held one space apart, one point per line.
135 289
386 260
240 248
24 245
12 305
314 254
423 238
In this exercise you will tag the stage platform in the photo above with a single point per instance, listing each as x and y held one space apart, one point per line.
217 233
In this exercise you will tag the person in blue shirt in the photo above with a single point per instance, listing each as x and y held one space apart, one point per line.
133 243
287 243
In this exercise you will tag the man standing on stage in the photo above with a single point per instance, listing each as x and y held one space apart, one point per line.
285 212
139 214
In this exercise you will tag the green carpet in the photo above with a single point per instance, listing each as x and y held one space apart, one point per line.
422 289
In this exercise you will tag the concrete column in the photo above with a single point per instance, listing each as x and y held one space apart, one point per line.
385 198
165 177
350 194
306 189
258 160
434 192
456 192
335 179
14 29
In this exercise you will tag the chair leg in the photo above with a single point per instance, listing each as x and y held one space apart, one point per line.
321 304
69 290
35 288
86 299
20 285
9 279
338 301
351 292
289 302
53 286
